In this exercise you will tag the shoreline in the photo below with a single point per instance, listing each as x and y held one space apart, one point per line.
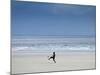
46 53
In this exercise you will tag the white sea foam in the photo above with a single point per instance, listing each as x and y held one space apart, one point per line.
53 44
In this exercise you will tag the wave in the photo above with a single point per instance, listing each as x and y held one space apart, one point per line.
54 48
53 44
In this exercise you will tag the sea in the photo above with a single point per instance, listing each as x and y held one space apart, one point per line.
49 44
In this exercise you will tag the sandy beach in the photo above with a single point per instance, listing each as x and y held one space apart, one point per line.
33 63
66 32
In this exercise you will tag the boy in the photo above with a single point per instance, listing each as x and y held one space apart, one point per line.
53 57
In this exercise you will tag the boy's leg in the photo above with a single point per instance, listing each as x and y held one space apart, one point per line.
49 58
54 60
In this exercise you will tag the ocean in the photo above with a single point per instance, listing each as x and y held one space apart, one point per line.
33 45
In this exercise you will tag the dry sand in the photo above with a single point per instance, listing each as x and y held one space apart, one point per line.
39 62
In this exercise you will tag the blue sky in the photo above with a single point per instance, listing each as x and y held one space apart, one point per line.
34 18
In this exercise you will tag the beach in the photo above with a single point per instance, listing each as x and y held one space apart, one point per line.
38 62
30 55
64 32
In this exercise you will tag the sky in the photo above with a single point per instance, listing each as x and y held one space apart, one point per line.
50 19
